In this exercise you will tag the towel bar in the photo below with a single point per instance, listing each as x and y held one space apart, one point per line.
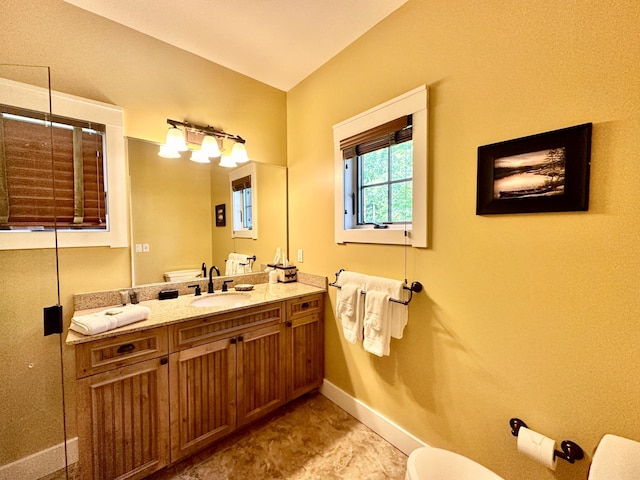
415 287
252 258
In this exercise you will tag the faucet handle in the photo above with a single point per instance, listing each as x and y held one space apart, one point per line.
225 287
197 287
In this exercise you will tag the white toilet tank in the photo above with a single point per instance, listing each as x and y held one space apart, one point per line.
182 275
429 463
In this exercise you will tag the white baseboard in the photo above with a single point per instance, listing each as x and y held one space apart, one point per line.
392 433
41 464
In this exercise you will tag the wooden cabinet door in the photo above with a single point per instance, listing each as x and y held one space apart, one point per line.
261 372
123 426
203 395
305 354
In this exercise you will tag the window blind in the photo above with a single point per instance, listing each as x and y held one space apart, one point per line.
241 183
393 132
51 171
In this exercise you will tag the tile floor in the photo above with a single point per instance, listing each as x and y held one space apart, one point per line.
310 438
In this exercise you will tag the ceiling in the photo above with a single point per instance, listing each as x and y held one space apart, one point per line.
278 42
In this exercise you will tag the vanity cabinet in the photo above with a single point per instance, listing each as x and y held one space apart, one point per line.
203 396
151 398
123 407
305 345
228 370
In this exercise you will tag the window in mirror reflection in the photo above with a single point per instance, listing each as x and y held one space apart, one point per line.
243 194
242 203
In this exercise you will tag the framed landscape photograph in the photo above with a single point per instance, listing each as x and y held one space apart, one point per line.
221 218
547 172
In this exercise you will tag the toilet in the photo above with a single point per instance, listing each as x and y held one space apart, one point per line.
616 458
428 463
182 275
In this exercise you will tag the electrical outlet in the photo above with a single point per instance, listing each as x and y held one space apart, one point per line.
145 247
299 255
138 247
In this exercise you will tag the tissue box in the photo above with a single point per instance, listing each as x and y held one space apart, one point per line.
286 274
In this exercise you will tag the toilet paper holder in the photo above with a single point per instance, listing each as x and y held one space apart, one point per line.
571 451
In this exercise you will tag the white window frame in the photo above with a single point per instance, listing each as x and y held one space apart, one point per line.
116 235
246 170
415 103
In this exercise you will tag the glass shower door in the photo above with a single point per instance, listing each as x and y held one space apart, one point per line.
32 423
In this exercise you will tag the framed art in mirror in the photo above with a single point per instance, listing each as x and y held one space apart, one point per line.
547 172
221 218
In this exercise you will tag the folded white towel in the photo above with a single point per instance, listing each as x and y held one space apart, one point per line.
616 458
349 305
398 313
230 267
383 319
109 319
346 300
376 309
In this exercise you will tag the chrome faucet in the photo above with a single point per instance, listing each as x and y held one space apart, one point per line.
210 285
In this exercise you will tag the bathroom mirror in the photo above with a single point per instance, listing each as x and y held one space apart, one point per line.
180 214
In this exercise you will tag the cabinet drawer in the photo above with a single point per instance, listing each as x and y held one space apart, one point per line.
109 353
302 306
196 332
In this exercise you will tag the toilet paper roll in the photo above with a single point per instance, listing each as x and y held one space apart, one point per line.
537 446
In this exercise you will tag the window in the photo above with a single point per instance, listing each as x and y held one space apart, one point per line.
242 203
244 191
91 196
41 152
378 170
381 168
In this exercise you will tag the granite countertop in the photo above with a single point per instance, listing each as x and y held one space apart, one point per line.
167 312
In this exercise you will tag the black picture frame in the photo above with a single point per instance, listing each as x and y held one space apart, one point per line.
221 216
546 172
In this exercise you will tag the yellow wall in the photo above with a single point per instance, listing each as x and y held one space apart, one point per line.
170 211
533 315
522 315
94 58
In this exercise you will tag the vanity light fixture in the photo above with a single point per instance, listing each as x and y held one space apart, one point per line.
208 137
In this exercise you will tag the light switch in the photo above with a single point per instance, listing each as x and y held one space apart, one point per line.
145 247
138 247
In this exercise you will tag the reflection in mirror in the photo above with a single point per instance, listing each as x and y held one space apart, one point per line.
173 214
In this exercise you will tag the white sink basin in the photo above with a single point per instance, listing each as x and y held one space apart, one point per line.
220 299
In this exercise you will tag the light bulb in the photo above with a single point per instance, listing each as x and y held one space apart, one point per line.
199 156
210 147
227 161
167 152
239 153
175 140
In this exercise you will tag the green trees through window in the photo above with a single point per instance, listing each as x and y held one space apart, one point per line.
385 187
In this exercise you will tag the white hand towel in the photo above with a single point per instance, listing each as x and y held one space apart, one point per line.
398 313
389 319
346 300
376 306
109 319
349 305
377 332
231 265
616 458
